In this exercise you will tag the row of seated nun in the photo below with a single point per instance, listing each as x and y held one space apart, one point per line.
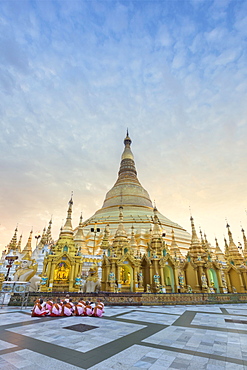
67 308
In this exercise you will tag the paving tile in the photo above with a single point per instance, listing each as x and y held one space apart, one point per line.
176 337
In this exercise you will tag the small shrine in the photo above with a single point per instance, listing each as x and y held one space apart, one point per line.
62 267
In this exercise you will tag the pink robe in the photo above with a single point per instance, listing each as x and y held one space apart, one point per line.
66 310
39 310
88 311
79 309
98 310
56 310
48 306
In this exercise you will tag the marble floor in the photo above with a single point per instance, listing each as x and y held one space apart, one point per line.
150 337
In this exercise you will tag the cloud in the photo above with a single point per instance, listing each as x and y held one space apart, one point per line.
75 75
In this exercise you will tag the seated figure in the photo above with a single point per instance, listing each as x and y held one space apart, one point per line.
56 309
98 309
48 305
66 309
39 309
88 309
72 305
79 308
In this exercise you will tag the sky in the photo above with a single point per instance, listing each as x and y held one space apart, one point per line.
75 74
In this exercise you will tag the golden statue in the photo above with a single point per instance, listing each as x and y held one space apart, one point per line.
61 272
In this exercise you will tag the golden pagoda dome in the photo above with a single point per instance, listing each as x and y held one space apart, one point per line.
127 192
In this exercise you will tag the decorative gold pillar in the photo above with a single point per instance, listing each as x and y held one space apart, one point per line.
208 277
162 281
176 281
229 285
197 279
241 283
52 273
151 275
77 268
72 277
218 274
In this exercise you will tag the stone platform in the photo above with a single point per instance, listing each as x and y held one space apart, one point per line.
193 337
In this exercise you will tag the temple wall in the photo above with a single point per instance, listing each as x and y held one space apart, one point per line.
140 299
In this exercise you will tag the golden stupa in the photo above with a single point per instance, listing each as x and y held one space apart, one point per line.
128 193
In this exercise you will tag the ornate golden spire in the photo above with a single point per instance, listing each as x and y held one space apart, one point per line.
28 247
13 243
68 223
203 241
127 189
43 239
226 248
196 250
19 244
156 229
156 243
105 244
245 245
79 237
233 251
174 250
245 240
48 233
133 242
120 241
121 230
218 252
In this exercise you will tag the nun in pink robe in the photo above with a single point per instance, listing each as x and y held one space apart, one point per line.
56 309
88 311
39 309
79 308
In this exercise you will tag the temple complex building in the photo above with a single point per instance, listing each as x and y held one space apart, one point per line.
127 246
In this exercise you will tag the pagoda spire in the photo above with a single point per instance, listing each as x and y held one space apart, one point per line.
234 254
105 244
120 240
133 242
19 244
127 190
196 250
174 250
218 252
121 230
245 244
156 243
68 223
13 243
48 233
43 239
226 248
79 237
28 247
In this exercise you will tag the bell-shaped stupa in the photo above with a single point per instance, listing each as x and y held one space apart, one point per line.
128 193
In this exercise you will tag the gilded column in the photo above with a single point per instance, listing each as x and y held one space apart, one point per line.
197 278
176 281
162 281
72 276
52 273
229 285
241 283
218 274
